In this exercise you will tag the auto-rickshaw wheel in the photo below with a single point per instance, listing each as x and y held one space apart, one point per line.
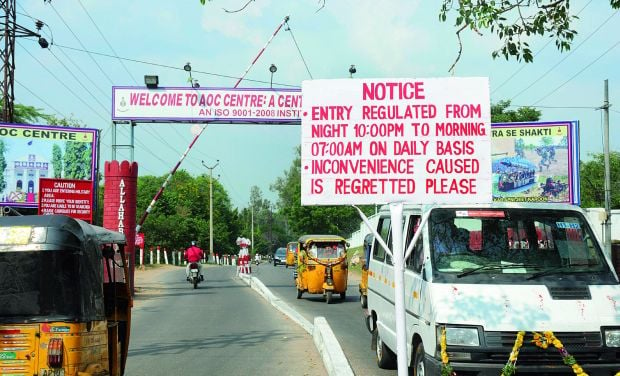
328 297
343 295
299 292
364 301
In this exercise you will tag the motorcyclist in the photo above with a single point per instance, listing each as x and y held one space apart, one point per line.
193 254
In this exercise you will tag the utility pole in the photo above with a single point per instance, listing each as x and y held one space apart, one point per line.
605 109
8 32
252 230
211 203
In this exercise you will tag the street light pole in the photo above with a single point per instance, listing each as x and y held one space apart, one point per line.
211 203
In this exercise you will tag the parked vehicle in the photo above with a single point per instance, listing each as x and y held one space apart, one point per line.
279 257
291 253
65 301
480 274
322 266
363 286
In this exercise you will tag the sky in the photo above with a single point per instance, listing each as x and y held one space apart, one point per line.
99 44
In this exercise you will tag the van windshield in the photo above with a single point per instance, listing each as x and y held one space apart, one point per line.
513 241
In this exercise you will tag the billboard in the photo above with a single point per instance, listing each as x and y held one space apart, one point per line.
536 162
31 152
206 104
370 141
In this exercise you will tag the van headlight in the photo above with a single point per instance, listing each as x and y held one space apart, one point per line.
612 337
460 336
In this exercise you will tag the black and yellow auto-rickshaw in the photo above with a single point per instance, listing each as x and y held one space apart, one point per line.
322 266
363 286
291 253
65 303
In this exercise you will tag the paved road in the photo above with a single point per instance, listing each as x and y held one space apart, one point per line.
344 317
222 328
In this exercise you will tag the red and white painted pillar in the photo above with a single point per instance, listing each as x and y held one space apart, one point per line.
119 208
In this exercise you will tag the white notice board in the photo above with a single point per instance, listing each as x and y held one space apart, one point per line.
373 141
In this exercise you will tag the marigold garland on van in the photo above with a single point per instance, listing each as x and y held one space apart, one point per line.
510 369
511 366
446 368
548 338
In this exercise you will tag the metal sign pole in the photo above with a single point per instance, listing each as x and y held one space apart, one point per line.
398 259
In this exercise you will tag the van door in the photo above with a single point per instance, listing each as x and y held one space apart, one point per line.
380 277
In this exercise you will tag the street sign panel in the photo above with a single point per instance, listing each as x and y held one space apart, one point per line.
206 104
376 141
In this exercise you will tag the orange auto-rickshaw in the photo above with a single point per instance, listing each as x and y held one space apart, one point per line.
65 304
363 286
291 254
322 266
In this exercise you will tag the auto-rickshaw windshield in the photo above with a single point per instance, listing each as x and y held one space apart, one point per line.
39 283
327 250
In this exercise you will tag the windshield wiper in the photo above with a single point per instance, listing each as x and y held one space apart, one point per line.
554 270
495 267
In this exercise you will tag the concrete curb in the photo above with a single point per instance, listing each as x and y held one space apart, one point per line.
335 361
325 341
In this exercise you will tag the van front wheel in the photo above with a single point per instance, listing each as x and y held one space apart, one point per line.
418 361
386 359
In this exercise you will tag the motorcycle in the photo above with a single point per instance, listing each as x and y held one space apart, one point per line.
194 274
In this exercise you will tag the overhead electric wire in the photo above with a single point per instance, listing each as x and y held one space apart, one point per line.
77 66
106 109
288 27
62 83
522 66
106 41
39 98
80 42
565 56
169 66
578 73
566 107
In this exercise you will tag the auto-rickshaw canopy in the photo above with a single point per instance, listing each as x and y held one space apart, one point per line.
51 268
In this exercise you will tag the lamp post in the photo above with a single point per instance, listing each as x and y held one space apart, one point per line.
211 203
193 83
352 70
273 69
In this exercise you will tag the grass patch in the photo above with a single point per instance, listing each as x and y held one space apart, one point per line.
350 253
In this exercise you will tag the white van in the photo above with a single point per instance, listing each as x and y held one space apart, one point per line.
486 272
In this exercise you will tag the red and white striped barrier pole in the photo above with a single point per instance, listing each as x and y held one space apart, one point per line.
174 169
285 20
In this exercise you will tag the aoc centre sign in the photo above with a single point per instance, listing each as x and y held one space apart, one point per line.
377 141
206 104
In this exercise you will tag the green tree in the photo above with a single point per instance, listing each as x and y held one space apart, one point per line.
501 114
181 214
57 161
3 165
514 22
338 220
592 180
